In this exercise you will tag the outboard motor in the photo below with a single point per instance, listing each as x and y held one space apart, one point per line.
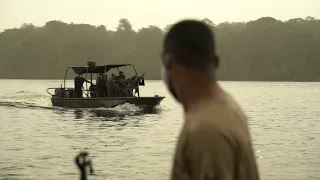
59 92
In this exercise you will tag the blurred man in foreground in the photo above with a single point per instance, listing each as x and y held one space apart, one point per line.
215 141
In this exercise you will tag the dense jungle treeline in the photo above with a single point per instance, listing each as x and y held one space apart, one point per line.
262 50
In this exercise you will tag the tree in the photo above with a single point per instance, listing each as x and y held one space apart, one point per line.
265 49
124 26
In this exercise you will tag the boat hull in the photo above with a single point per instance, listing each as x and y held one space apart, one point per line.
144 102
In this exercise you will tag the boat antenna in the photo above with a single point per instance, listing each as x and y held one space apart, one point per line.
143 74
82 162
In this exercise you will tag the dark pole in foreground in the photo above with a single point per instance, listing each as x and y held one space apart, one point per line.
82 162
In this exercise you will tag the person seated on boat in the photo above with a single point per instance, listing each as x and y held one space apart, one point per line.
121 76
113 77
92 90
101 86
78 83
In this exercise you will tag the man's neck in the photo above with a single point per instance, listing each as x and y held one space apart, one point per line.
195 95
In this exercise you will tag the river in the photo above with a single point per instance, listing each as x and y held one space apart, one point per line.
38 141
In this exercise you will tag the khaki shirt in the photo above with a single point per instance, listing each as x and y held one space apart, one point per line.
215 144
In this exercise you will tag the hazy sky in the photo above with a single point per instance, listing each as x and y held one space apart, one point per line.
149 12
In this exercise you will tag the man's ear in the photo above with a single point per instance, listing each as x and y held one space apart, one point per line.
167 61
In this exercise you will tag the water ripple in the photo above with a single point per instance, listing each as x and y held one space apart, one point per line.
40 142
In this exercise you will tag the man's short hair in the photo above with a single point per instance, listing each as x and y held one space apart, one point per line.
191 43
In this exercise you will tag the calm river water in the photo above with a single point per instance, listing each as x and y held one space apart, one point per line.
40 142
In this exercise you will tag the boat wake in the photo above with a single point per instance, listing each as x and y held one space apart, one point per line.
116 113
26 99
32 100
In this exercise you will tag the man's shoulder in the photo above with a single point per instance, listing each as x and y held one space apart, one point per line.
204 131
222 120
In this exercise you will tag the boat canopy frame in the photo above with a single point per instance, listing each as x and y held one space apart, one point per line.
79 70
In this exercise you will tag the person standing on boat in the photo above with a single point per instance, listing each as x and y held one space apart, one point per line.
78 83
105 85
101 85
121 85
134 85
121 76
215 140
112 86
